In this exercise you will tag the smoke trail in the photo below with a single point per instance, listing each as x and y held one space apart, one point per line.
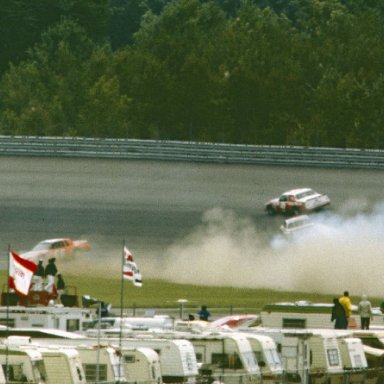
338 253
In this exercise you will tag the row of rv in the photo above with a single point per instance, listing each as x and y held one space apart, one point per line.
53 345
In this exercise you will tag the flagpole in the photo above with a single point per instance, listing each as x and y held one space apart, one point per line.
121 305
7 316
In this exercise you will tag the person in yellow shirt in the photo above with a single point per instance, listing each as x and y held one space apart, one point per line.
345 301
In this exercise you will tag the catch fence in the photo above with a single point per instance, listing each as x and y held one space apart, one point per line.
190 151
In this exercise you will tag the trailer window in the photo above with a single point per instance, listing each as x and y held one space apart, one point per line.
91 372
129 359
294 323
15 373
199 357
220 359
358 361
73 325
333 357
227 361
9 322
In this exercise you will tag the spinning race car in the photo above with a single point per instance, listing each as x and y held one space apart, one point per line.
297 201
55 248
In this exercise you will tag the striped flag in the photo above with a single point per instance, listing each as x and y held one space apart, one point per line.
130 270
20 273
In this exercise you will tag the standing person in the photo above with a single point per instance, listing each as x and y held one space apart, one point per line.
338 315
38 277
204 313
365 312
50 273
60 285
345 301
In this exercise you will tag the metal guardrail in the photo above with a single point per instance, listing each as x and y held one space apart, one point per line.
190 151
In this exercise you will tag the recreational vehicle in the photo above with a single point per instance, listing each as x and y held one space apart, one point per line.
371 338
177 357
306 355
267 357
304 314
375 359
62 365
224 356
353 357
125 364
69 319
21 363
142 365
101 364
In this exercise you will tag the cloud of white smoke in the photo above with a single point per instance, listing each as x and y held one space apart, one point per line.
338 253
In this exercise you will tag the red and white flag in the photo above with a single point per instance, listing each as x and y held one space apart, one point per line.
20 273
130 270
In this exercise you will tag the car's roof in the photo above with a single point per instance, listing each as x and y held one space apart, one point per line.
297 191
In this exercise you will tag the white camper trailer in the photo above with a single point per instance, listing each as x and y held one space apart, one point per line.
224 356
69 319
304 314
375 359
354 360
177 357
142 365
306 354
373 345
21 364
267 357
136 364
220 355
101 364
372 338
62 365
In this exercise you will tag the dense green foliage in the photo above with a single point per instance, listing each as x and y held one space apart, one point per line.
278 72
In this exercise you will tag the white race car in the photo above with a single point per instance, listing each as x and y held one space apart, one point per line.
55 248
297 201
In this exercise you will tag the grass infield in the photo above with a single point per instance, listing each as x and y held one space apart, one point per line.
164 294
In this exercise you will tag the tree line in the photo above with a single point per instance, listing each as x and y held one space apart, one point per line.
274 72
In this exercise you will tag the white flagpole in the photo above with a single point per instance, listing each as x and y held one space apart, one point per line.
121 307
6 354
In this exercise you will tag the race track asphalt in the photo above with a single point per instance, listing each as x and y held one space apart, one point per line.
149 205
